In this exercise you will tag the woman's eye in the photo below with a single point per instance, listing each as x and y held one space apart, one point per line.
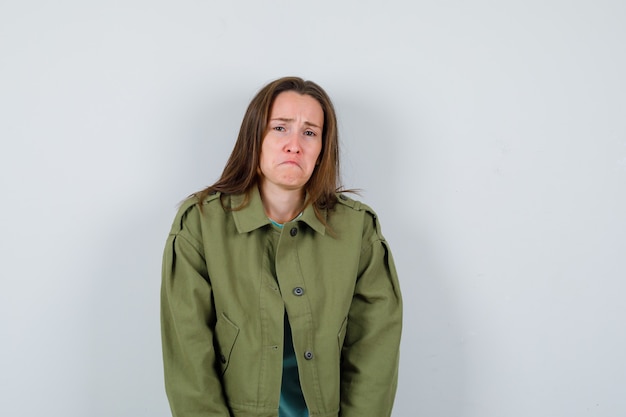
279 128
309 133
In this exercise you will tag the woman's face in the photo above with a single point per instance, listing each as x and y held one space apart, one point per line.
293 141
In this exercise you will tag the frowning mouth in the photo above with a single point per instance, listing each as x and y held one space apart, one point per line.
292 163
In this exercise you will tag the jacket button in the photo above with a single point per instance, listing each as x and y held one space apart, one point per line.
298 291
223 358
293 231
308 355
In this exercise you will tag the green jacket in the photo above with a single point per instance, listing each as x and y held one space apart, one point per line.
223 302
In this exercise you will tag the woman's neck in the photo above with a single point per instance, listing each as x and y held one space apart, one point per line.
281 205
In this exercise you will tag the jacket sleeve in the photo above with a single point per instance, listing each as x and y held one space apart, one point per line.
187 320
370 354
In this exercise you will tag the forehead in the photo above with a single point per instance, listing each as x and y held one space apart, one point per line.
290 104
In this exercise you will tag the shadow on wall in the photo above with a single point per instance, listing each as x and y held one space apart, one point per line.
126 374
433 367
433 373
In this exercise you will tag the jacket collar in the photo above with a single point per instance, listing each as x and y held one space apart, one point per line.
253 216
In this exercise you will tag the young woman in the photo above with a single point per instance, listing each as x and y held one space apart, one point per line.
279 293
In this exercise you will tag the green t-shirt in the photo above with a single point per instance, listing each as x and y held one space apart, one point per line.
291 399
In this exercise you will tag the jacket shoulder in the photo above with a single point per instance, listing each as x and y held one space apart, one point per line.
354 204
370 214
214 196
189 211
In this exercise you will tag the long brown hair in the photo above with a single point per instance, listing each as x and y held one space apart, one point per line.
240 173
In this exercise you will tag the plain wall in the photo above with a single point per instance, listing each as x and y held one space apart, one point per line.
489 136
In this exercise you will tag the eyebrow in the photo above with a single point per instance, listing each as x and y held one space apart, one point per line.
286 119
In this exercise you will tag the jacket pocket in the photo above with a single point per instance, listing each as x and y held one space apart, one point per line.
226 333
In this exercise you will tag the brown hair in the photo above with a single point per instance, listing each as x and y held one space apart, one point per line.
241 171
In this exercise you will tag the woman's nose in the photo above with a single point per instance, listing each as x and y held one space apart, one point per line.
293 145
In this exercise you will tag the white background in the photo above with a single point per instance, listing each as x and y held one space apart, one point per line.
490 136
